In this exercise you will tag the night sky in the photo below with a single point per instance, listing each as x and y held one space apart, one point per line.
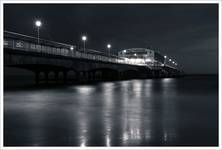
187 33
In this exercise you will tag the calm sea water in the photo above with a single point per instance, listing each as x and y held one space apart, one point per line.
152 112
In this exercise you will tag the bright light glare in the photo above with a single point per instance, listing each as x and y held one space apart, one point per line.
107 141
137 60
148 60
38 23
124 51
71 48
169 59
135 54
108 46
165 56
126 59
84 38
82 144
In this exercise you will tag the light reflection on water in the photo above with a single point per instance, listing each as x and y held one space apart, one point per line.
123 113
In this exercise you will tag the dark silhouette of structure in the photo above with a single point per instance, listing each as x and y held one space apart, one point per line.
55 61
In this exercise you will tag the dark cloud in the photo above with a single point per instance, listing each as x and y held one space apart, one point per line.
186 32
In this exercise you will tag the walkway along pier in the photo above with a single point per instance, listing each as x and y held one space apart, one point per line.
53 61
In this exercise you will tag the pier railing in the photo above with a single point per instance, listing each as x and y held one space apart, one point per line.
26 43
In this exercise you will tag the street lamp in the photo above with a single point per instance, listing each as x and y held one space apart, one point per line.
84 38
124 52
38 24
165 59
169 59
71 48
109 46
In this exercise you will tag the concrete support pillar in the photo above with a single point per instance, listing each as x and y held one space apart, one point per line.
90 75
37 77
84 75
93 75
77 76
46 76
120 75
96 75
103 75
65 76
80 75
56 76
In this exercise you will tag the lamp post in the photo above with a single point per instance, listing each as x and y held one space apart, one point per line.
165 57
124 52
109 46
135 57
84 38
71 50
38 24
170 61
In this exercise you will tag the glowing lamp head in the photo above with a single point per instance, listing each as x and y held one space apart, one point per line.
169 59
108 46
38 23
165 56
124 51
71 48
84 38
135 54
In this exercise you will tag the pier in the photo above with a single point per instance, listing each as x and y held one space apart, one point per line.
54 61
